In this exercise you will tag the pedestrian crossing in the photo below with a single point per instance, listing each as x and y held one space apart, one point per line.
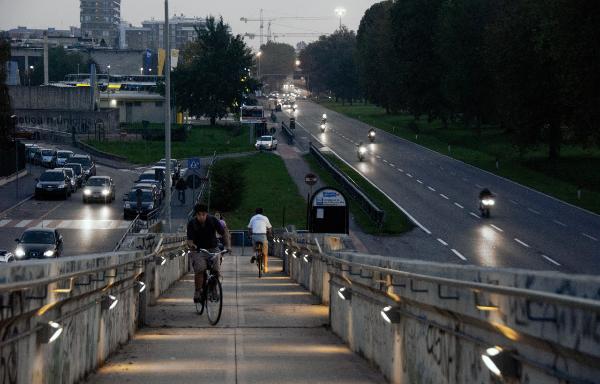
65 224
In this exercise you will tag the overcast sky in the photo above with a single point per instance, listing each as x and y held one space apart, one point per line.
64 13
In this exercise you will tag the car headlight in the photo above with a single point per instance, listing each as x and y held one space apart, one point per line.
61 186
49 253
127 205
151 206
362 150
19 252
488 201
105 192
38 185
87 192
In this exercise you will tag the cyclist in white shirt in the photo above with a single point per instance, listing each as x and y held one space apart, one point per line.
258 228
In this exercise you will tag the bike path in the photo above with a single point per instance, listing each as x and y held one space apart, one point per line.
272 331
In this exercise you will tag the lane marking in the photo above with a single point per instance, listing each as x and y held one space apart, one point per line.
444 196
533 211
551 260
442 241
392 165
22 223
459 206
385 161
479 186
377 156
514 202
522 243
459 254
559 223
409 175
474 215
4 222
589 236
496 228
419 181
431 188
400 170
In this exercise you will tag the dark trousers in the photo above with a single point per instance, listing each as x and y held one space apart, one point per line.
181 195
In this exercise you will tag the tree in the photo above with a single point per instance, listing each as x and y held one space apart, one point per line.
214 73
277 62
60 63
5 108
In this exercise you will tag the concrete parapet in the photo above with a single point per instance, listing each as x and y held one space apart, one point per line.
76 293
446 316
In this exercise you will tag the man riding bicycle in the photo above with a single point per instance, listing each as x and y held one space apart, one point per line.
202 232
258 228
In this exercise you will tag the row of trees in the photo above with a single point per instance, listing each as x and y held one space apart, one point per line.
529 66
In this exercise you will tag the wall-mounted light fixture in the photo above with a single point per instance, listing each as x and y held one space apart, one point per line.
501 363
390 315
49 332
109 302
345 293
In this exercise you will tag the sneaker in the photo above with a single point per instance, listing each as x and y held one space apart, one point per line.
198 296
252 259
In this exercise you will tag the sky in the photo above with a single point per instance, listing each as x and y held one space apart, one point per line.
64 13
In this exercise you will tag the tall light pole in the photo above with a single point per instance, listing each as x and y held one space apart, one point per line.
31 68
141 70
108 74
168 114
258 55
340 12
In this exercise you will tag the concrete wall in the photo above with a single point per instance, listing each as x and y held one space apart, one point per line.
444 330
90 333
51 98
64 120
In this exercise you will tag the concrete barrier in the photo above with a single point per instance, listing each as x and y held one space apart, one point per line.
446 316
75 293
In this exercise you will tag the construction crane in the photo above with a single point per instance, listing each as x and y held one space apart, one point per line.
269 36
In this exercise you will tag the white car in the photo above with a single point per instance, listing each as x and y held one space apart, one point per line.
6 257
266 142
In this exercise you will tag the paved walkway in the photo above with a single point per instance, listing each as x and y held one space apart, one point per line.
271 331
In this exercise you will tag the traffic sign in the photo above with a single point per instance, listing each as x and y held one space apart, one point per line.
194 163
310 179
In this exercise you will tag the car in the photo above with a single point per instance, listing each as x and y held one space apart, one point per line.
30 151
39 243
152 187
100 188
148 203
266 142
72 178
76 167
62 157
54 182
6 256
175 167
88 165
150 176
47 158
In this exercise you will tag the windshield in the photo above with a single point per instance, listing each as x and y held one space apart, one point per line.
47 152
76 167
96 182
38 237
82 160
147 176
69 172
63 155
52 176
265 138
146 196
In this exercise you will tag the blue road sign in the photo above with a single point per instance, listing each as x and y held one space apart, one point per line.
194 163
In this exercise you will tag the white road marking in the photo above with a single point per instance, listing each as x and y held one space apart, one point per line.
22 223
459 254
377 156
4 222
459 206
409 175
431 188
419 181
589 236
392 165
496 228
551 260
559 223
533 211
479 186
442 241
385 161
514 202
444 196
465 179
400 170
522 243
474 215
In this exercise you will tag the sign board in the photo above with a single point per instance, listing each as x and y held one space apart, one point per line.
310 179
328 212
194 163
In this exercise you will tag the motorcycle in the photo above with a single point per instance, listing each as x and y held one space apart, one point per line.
322 126
371 136
485 205
361 152
324 119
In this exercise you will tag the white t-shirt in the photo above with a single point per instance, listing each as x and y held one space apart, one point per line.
259 224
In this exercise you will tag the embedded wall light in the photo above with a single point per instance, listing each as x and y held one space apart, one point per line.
501 363
345 293
141 286
109 302
161 260
390 315
49 332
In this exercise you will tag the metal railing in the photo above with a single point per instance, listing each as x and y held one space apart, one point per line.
289 134
376 214
204 186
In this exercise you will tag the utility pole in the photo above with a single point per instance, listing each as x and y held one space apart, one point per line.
46 78
262 26
168 114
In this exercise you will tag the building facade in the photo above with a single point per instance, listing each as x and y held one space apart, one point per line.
100 20
182 31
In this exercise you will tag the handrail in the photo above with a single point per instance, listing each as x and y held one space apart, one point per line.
127 232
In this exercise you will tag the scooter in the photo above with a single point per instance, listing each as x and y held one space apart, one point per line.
324 119
361 152
323 127
371 136
485 206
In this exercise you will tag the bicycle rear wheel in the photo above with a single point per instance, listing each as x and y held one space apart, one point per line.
259 264
214 300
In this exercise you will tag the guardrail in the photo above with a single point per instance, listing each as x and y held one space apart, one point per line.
376 214
289 134
204 186
436 318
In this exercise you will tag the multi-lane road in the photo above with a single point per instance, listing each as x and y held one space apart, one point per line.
527 229
86 228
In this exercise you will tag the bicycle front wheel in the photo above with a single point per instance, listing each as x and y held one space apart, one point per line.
259 264
214 300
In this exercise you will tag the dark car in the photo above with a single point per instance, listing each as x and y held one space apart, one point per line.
47 158
72 178
99 188
78 169
53 182
151 187
148 203
151 176
39 243
88 165
175 167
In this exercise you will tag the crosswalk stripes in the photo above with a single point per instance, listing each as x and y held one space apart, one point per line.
66 224
4 222
23 223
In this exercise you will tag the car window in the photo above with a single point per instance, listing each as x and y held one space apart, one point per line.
97 182
52 176
82 160
38 237
265 138
76 167
47 152
69 172
146 196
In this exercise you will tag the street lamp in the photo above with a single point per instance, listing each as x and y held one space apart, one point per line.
259 54
141 70
340 12
297 63
31 68
108 74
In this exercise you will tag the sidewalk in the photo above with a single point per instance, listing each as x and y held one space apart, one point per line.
271 331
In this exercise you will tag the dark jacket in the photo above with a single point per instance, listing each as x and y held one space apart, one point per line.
181 185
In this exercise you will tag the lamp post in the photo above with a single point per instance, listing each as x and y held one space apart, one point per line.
13 121
340 12
167 71
258 55
108 81
141 70
31 68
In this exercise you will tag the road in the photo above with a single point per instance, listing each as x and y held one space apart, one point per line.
86 228
527 229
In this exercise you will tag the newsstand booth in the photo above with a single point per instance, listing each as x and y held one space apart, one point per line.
328 212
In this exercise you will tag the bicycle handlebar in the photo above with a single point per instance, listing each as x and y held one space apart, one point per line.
213 253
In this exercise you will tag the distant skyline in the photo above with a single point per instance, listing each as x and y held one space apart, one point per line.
62 14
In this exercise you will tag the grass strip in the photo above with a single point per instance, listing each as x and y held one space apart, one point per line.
577 167
395 221
202 141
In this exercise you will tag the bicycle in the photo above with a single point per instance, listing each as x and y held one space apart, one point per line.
212 297
258 248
